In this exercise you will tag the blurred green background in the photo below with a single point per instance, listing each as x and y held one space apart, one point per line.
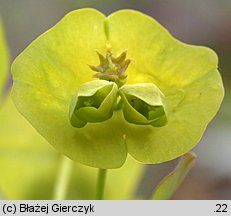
28 165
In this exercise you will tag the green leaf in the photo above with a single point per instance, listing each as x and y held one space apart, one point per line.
50 71
170 183
4 60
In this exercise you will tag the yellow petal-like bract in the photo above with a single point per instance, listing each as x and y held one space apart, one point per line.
49 72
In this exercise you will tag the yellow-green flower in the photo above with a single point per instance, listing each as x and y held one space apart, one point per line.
50 74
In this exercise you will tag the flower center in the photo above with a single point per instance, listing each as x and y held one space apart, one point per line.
112 68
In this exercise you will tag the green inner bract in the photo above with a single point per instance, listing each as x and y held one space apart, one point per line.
49 73
94 102
144 104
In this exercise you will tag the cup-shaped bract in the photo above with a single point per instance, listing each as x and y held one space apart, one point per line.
51 70
94 102
143 104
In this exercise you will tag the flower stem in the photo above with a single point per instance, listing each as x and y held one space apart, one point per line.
62 181
101 183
